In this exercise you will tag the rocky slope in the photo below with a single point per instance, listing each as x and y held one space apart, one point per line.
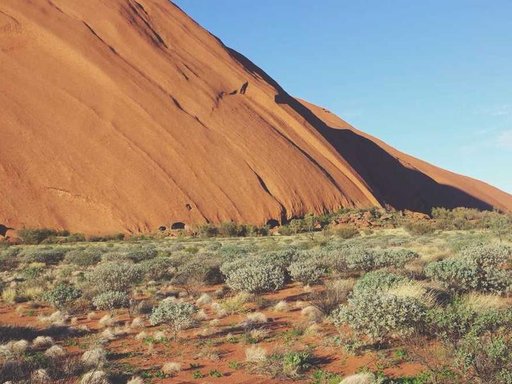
125 115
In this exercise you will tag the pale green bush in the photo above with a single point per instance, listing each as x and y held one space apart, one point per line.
478 268
380 315
111 300
62 295
175 315
306 271
256 278
158 269
378 281
115 276
83 257
47 256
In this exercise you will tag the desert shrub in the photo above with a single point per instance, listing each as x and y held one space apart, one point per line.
175 315
345 232
111 300
34 235
477 268
477 337
157 269
231 266
456 320
235 250
281 365
8 258
396 258
486 358
230 229
139 254
380 315
359 259
307 271
115 276
295 363
378 280
47 256
213 246
282 258
201 270
256 278
83 257
62 295
207 230
115 256
335 293
420 227
487 255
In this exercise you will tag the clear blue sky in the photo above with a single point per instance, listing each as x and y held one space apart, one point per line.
432 78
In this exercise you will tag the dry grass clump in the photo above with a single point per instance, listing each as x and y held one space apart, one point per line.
14 348
236 304
414 290
40 376
94 358
335 293
57 318
171 368
479 302
204 299
106 321
359 378
259 334
282 306
137 322
135 380
201 315
141 335
42 342
220 312
312 314
255 318
55 351
255 354
95 377
9 295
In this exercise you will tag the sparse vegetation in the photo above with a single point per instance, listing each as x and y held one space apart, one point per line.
437 299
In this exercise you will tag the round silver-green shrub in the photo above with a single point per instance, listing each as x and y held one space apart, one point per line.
176 315
256 278
115 276
110 300
306 271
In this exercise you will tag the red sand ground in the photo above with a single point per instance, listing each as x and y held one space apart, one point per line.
125 115
187 351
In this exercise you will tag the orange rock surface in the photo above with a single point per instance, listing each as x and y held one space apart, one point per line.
125 115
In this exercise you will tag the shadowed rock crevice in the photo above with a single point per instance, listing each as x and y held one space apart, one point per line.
389 180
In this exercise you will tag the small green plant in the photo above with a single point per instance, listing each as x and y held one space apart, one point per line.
478 268
197 374
62 295
118 277
215 373
234 364
380 315
307 271
324 377
256 278
111 300
177 316
296 363
83 257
